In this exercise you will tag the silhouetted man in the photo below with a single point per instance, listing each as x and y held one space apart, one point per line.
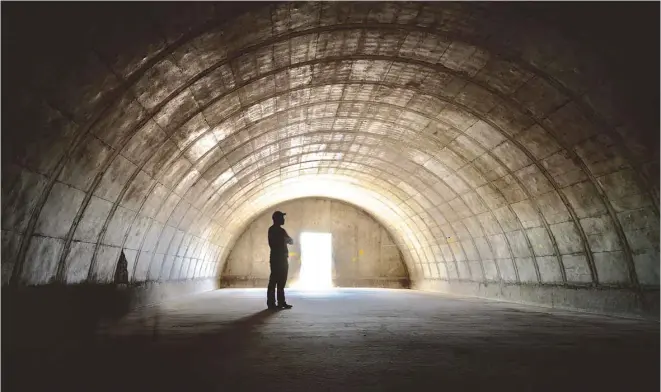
278 240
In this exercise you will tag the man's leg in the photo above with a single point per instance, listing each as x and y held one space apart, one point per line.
282 282
270 291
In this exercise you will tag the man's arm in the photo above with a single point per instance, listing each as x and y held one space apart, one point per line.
272 240
288 239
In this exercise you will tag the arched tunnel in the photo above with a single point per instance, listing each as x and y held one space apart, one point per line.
489 173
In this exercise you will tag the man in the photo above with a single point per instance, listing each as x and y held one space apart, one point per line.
278 240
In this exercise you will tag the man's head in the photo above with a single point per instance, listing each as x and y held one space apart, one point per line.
279 218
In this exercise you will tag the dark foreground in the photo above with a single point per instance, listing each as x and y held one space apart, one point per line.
345 340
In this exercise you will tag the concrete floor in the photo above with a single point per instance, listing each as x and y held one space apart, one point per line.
348 340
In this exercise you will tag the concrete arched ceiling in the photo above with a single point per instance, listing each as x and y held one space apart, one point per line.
488 145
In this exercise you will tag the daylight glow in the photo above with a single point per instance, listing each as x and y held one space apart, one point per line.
316 262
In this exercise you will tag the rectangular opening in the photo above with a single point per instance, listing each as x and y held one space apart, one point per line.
316 261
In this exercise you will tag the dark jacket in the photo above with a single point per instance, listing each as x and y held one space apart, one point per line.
278 240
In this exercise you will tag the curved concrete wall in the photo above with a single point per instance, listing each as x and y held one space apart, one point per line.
491 144
364 254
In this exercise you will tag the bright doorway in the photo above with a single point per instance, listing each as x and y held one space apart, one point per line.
316 261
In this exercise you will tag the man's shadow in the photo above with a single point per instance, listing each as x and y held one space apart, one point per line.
233 331
193 360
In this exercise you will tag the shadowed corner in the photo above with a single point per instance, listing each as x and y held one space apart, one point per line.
159 359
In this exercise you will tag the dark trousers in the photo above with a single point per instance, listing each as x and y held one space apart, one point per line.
278 279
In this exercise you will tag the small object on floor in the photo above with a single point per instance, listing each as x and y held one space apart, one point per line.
285 306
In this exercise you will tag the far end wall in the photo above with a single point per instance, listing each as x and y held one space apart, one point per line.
364 254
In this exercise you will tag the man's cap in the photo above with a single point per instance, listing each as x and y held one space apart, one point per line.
278 213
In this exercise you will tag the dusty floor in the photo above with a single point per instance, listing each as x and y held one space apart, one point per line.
349 340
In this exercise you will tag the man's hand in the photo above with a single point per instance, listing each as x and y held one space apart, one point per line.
289 240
